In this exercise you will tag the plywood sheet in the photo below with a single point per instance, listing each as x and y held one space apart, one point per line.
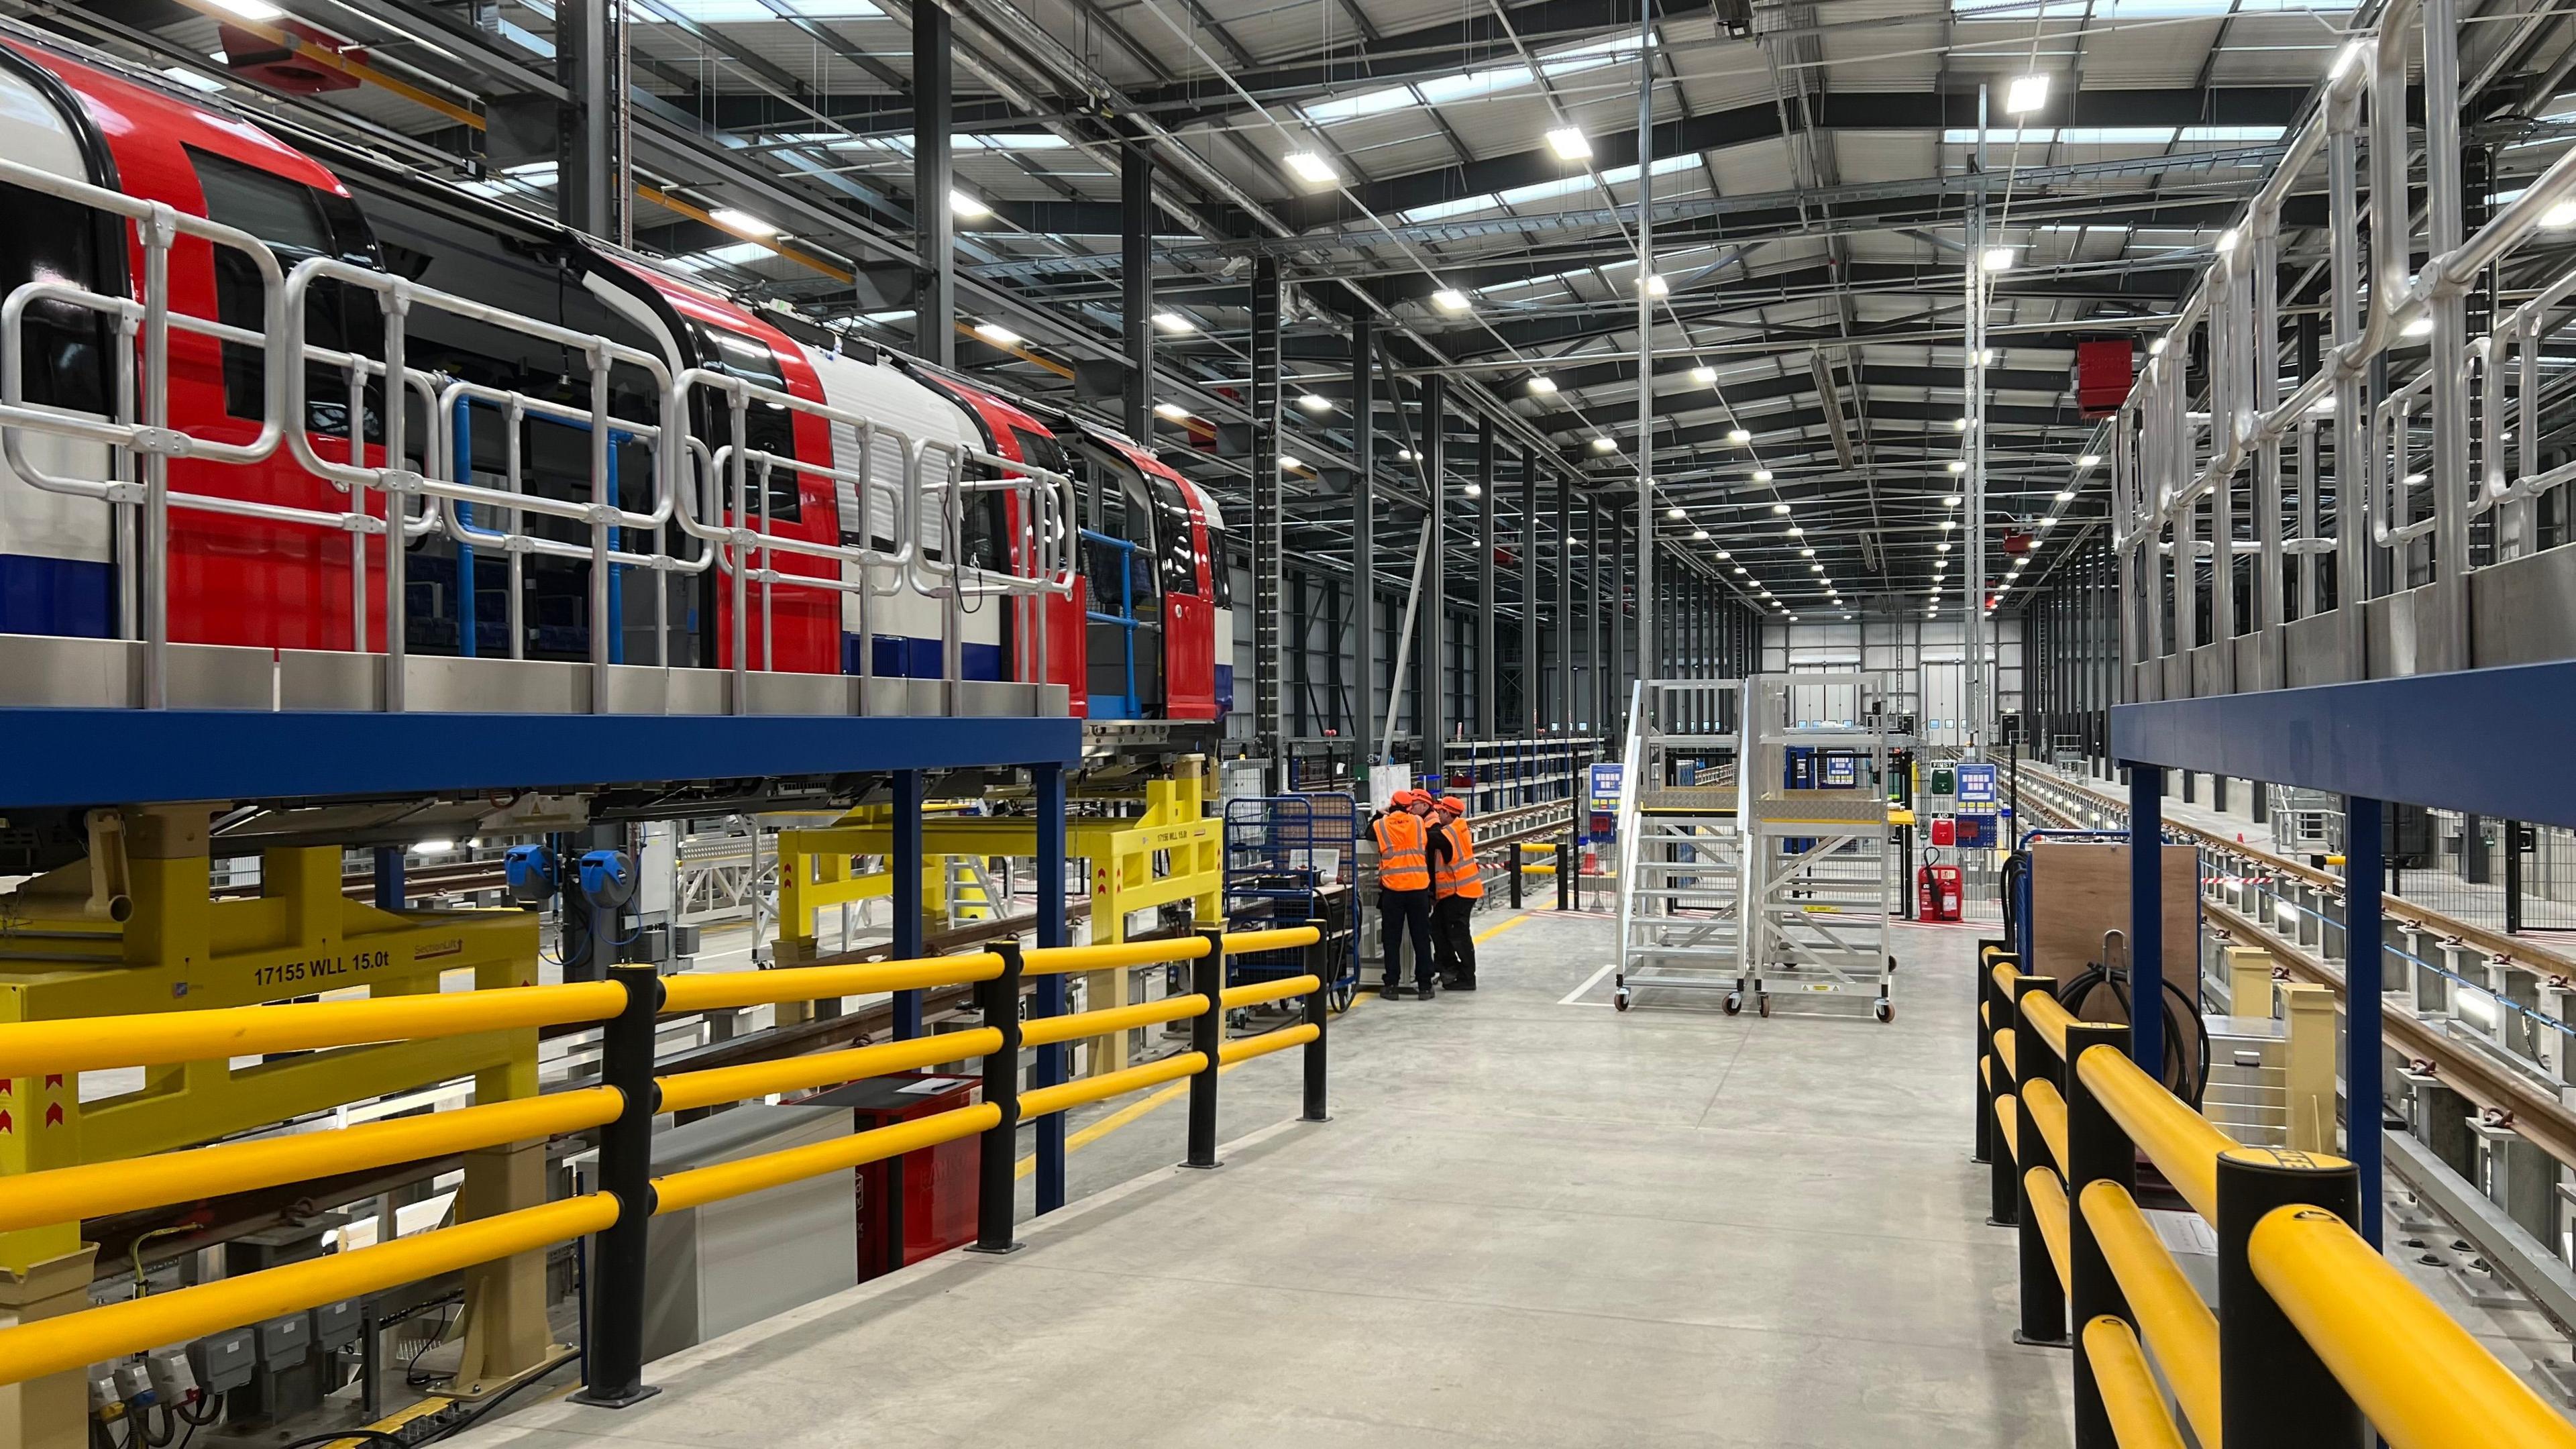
2080 889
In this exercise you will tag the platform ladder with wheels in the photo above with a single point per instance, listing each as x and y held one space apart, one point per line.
1821 879
1681 855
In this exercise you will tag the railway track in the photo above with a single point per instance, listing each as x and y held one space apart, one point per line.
2481 1012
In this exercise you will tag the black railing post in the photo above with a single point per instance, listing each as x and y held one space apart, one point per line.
613 1368
1321 958
1517 853
2273 1390
1987 1066
2003 1189
2097 1150
996 1186
1207 1037
2043 1298
1564 877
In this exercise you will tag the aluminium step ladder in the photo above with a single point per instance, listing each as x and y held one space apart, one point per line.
1681 853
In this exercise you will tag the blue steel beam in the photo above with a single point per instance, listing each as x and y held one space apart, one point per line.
79 757
2428 739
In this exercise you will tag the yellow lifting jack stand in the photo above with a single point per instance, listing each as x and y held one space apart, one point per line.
1171 851
135 928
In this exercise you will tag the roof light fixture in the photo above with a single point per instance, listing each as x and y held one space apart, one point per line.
735 219
1542 385
998 335
1704 375
1674 512
1315 402
2088 460
1761 475
1998 259
2065 495
1778 508
2420 327
2048 521
2026 94
1699 535
969 207
1948 524
1958 465
1451 301
1950 500
1738 436
1174 411
1311 168
1656 286
1174 322
1290 460
1569 143
1604 445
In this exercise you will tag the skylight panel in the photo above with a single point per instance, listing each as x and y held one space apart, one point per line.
738 12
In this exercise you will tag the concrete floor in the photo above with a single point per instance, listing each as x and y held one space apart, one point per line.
1532 1220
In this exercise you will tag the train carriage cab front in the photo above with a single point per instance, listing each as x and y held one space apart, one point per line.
1153 601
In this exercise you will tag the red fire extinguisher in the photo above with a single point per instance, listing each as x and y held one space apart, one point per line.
1937 892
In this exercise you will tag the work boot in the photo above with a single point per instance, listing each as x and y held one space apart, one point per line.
1460 983
1425 991
1389 988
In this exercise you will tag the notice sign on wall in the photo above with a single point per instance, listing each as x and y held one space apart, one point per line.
1976 784
1607 781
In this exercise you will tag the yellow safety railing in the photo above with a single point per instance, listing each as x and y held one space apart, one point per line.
621 1110
2064 1125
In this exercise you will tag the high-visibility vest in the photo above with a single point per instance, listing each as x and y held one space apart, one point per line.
1403 852
1458 874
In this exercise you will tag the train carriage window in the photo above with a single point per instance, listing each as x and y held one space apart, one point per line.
66 347
1179 554
298 222
771 427
1220 569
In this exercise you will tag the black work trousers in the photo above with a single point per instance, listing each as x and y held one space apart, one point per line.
1453 938
1400 912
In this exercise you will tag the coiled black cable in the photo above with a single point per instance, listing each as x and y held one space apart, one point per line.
2188 1077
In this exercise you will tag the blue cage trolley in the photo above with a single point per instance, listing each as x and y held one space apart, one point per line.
1290 859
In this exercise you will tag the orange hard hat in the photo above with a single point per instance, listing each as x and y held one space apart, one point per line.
1450 803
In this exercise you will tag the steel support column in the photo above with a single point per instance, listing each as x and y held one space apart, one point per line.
1563 710
1531 671
1488 722
1136 284
1430 707
1268 726
1364 543
585 59
934 223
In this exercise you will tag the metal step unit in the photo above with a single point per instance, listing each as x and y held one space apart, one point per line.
1753 845
1681 858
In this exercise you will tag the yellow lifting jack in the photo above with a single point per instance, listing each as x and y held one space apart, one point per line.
135 928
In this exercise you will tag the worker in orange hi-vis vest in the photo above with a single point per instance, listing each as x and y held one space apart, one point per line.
1457 883
1403 837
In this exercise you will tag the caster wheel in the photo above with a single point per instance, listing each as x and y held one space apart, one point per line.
1891 965
1885 1011
1762 1003
1734 1002
1619 999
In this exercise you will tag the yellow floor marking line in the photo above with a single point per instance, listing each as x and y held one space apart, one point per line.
1133 1110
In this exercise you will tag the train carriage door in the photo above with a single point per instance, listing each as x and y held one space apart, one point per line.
1066 638
1189 608
56 561
1123 571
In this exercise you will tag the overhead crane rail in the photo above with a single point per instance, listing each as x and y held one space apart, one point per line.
624 1106
2315 1333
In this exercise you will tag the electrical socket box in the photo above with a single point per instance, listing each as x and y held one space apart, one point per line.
284 1342
223 1362
105 1405
335 1325
172 1378
134 1385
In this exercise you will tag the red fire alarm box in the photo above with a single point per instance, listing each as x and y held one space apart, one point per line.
1945 831
924 1199
2102 376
